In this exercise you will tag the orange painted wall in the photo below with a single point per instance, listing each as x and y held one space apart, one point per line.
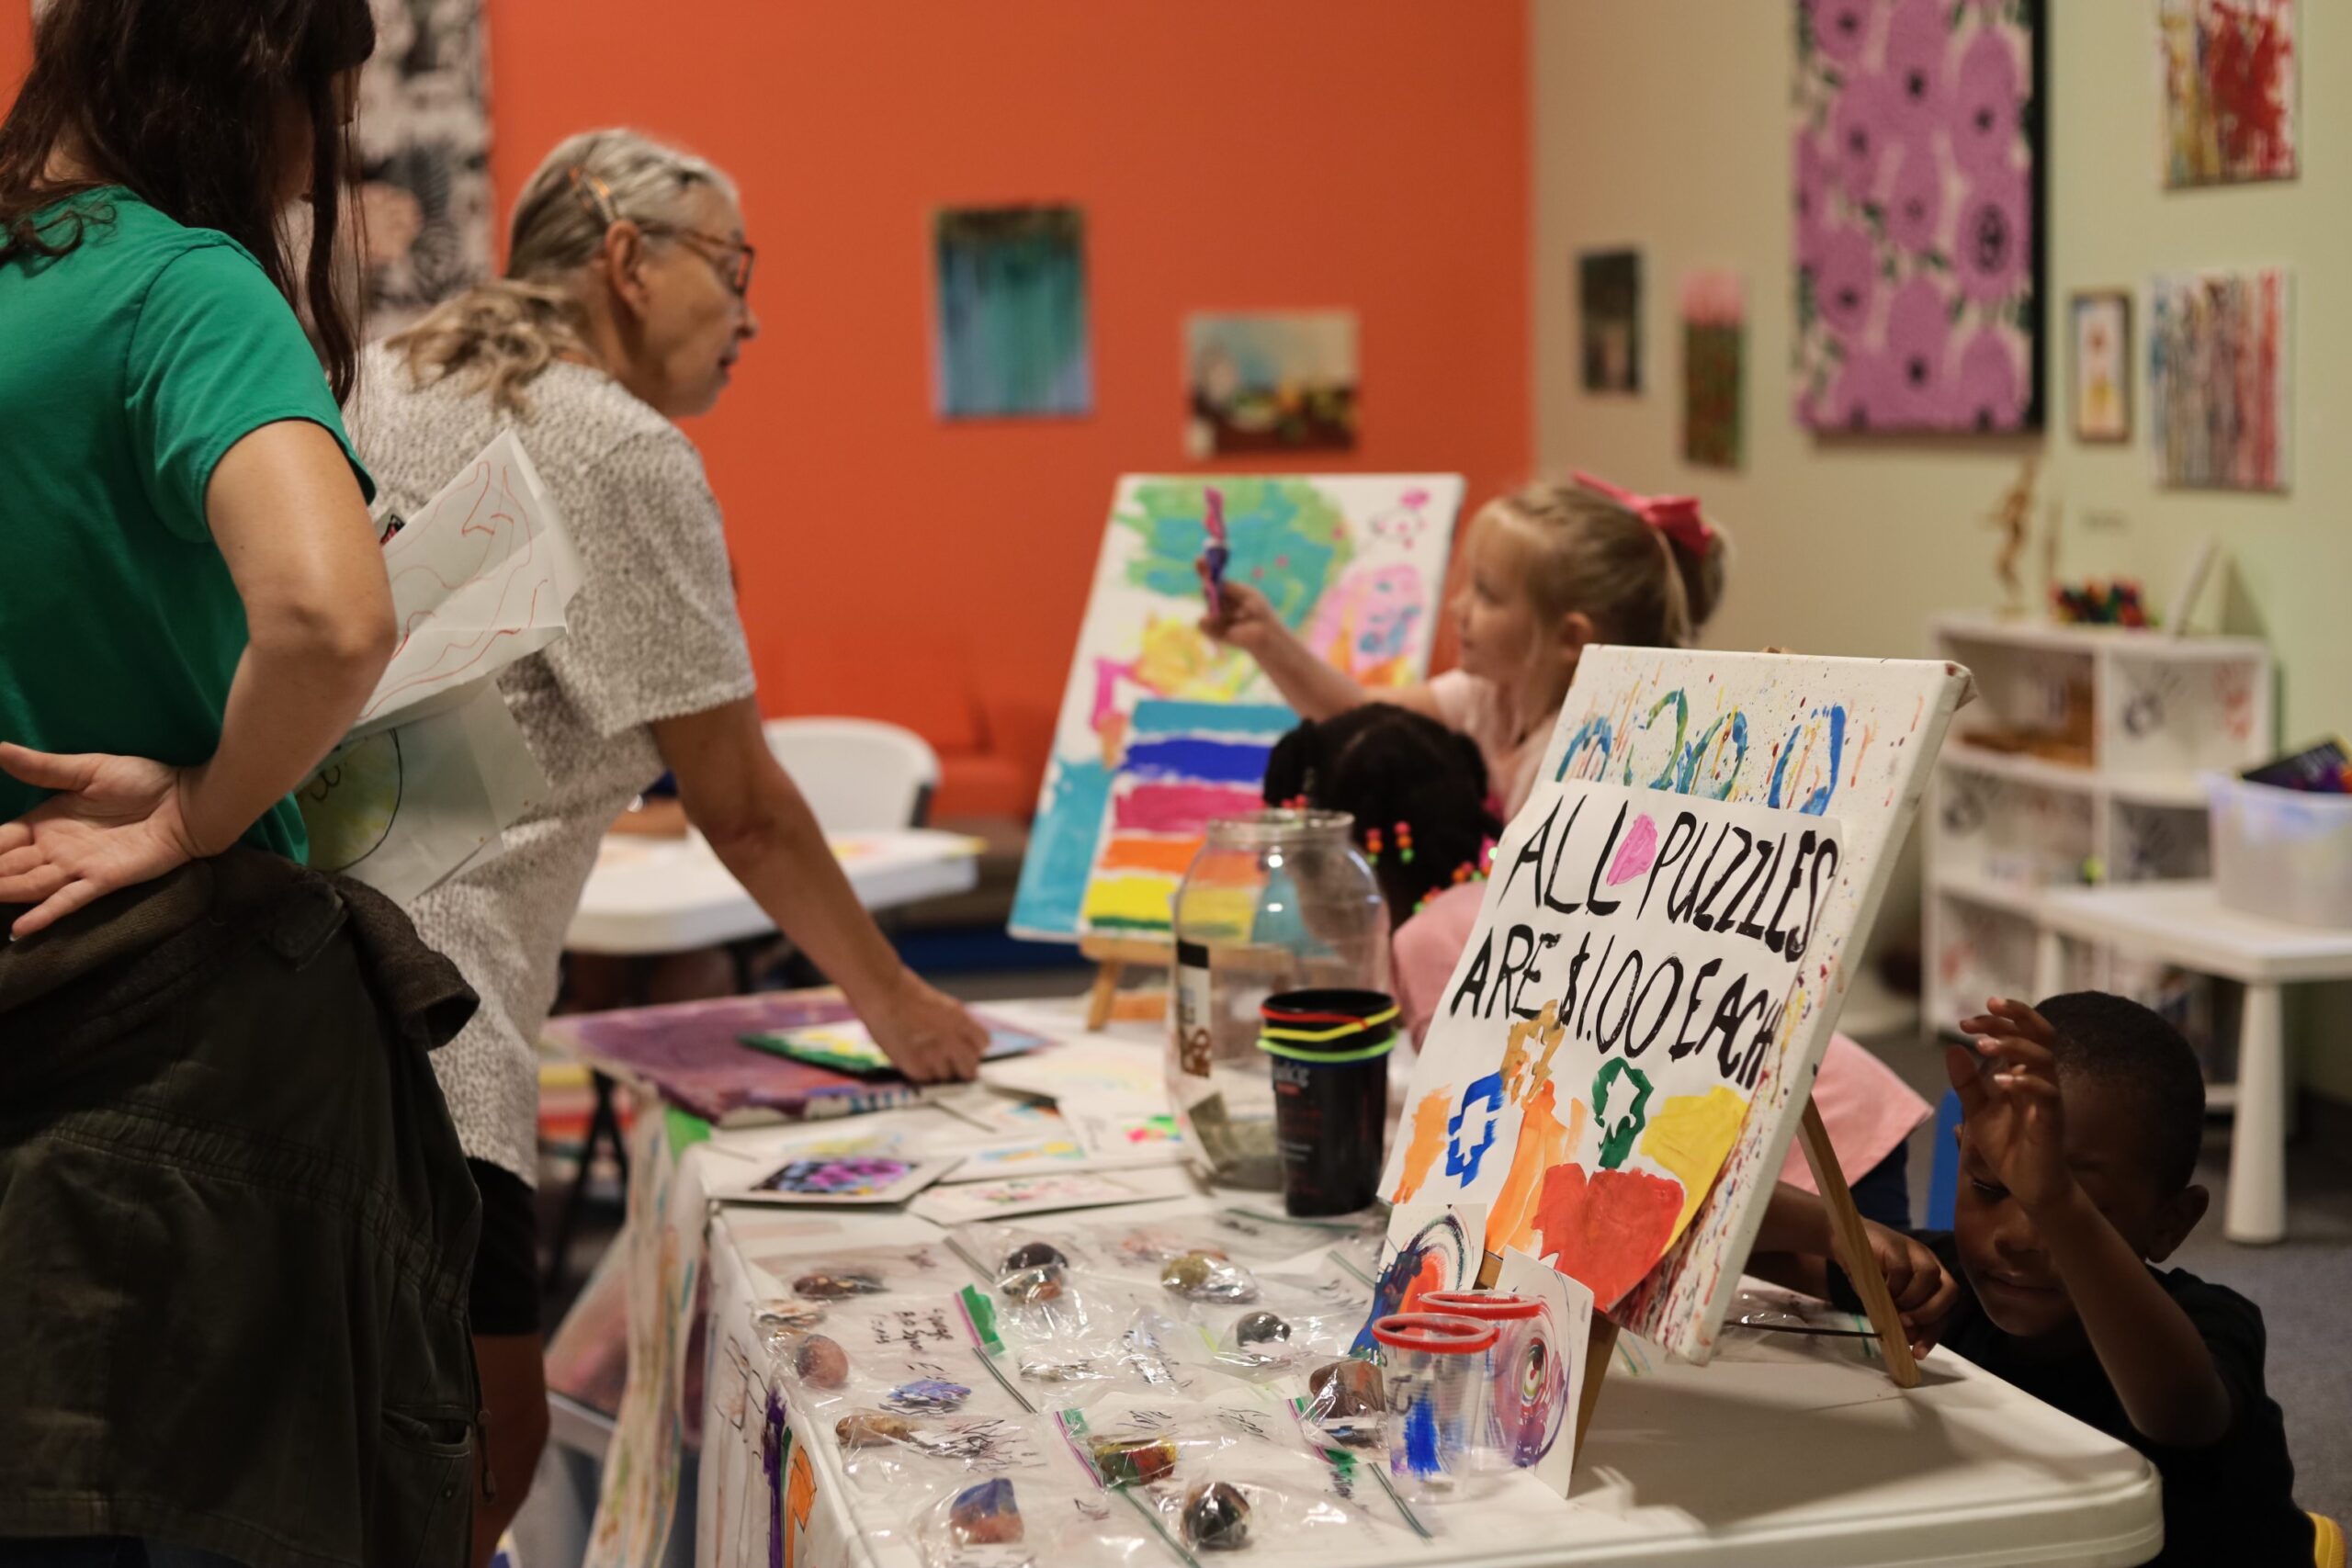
1229 153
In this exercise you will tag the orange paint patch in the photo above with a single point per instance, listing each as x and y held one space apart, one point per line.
1421 1149
1430 1277
1543 1143
1609 1230
1131 853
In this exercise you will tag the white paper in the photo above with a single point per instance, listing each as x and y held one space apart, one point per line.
1431 1244
1093 1071
404 809
1045 1194
480 578
1567 1317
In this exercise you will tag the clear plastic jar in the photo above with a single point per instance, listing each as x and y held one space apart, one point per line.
1275 901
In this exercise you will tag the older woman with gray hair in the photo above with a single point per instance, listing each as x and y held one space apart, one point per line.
626 303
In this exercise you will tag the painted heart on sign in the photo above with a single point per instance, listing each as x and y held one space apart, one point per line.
1636 855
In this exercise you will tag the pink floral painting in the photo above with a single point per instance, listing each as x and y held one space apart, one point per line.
1917 222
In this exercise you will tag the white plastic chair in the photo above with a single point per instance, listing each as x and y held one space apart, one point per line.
860 775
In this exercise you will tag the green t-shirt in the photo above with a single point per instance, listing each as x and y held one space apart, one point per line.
127 368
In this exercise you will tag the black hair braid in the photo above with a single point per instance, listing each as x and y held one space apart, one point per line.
1386 765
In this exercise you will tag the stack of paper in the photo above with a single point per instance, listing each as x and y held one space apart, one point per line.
437 769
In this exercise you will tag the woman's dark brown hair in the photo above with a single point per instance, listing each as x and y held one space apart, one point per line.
180 101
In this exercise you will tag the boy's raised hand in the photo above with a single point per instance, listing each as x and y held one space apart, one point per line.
1247 619
2008 1091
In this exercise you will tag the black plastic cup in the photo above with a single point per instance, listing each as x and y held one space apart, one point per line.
1329 1051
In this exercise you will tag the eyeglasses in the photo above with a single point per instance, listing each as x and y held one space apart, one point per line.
731 259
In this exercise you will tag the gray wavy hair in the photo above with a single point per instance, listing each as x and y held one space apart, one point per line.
501 334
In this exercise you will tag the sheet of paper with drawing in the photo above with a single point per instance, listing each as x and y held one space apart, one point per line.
1623 1052
436 770
1354 562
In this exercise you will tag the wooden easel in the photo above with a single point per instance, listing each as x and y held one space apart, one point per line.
1112 956
1854 1256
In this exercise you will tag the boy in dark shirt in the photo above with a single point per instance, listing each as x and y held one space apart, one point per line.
2081 1131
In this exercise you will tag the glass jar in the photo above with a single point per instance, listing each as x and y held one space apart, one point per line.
1275 901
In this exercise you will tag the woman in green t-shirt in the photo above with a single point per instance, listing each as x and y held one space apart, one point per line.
227 1182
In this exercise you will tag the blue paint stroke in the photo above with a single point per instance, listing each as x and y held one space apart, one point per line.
1062 849
1695 759
1594 732
1171 716
1420 1437
1199 759
1462 1161
1817 803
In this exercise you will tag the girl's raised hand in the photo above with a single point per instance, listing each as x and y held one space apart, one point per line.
1248 617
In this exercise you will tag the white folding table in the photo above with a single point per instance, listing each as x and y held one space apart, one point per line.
651 895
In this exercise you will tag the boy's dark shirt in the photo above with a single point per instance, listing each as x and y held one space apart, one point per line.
2232 1501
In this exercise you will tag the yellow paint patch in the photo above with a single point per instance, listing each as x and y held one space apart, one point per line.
1134 900
1690 1136
1428 1140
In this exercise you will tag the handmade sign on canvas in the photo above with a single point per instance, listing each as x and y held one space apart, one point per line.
1623 1052
1356 563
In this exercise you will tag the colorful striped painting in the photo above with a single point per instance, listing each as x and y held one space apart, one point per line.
1186 763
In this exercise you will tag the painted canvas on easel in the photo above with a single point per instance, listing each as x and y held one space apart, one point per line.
1715 333
1272 382
2217 379
1356 563
1185 764
1009 327
1620 1060
1917 174
2227 68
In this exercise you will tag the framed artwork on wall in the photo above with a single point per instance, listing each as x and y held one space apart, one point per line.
2217 404
1608 315
1918 184
2227 68
2099 385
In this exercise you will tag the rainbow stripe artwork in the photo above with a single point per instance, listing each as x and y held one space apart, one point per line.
1185 763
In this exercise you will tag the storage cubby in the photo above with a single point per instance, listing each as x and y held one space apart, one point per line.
2081 762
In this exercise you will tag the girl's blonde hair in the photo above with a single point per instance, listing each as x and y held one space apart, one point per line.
1595 557
501 333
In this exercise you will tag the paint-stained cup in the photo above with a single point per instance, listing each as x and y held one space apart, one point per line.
1525 1383
1329 1058
1437 1396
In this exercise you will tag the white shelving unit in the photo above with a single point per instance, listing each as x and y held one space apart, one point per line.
2129 721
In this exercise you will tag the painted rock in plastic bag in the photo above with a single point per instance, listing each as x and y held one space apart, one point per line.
1032 1285
1260 1328
821 1362
928 1393
1346 1399
873 1430
789 1316
1199 1277
1217 1517
838 1286
1133 1461
1033 1255
985 1514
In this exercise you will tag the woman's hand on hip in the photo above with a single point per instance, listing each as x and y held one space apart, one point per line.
114 822
926 1035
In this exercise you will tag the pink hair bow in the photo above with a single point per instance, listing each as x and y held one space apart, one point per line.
1676 516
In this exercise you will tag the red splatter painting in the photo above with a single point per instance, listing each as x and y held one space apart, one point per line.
2229 78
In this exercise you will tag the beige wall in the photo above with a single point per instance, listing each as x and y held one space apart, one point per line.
1665 125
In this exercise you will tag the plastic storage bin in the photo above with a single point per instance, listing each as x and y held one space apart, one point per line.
2281 854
